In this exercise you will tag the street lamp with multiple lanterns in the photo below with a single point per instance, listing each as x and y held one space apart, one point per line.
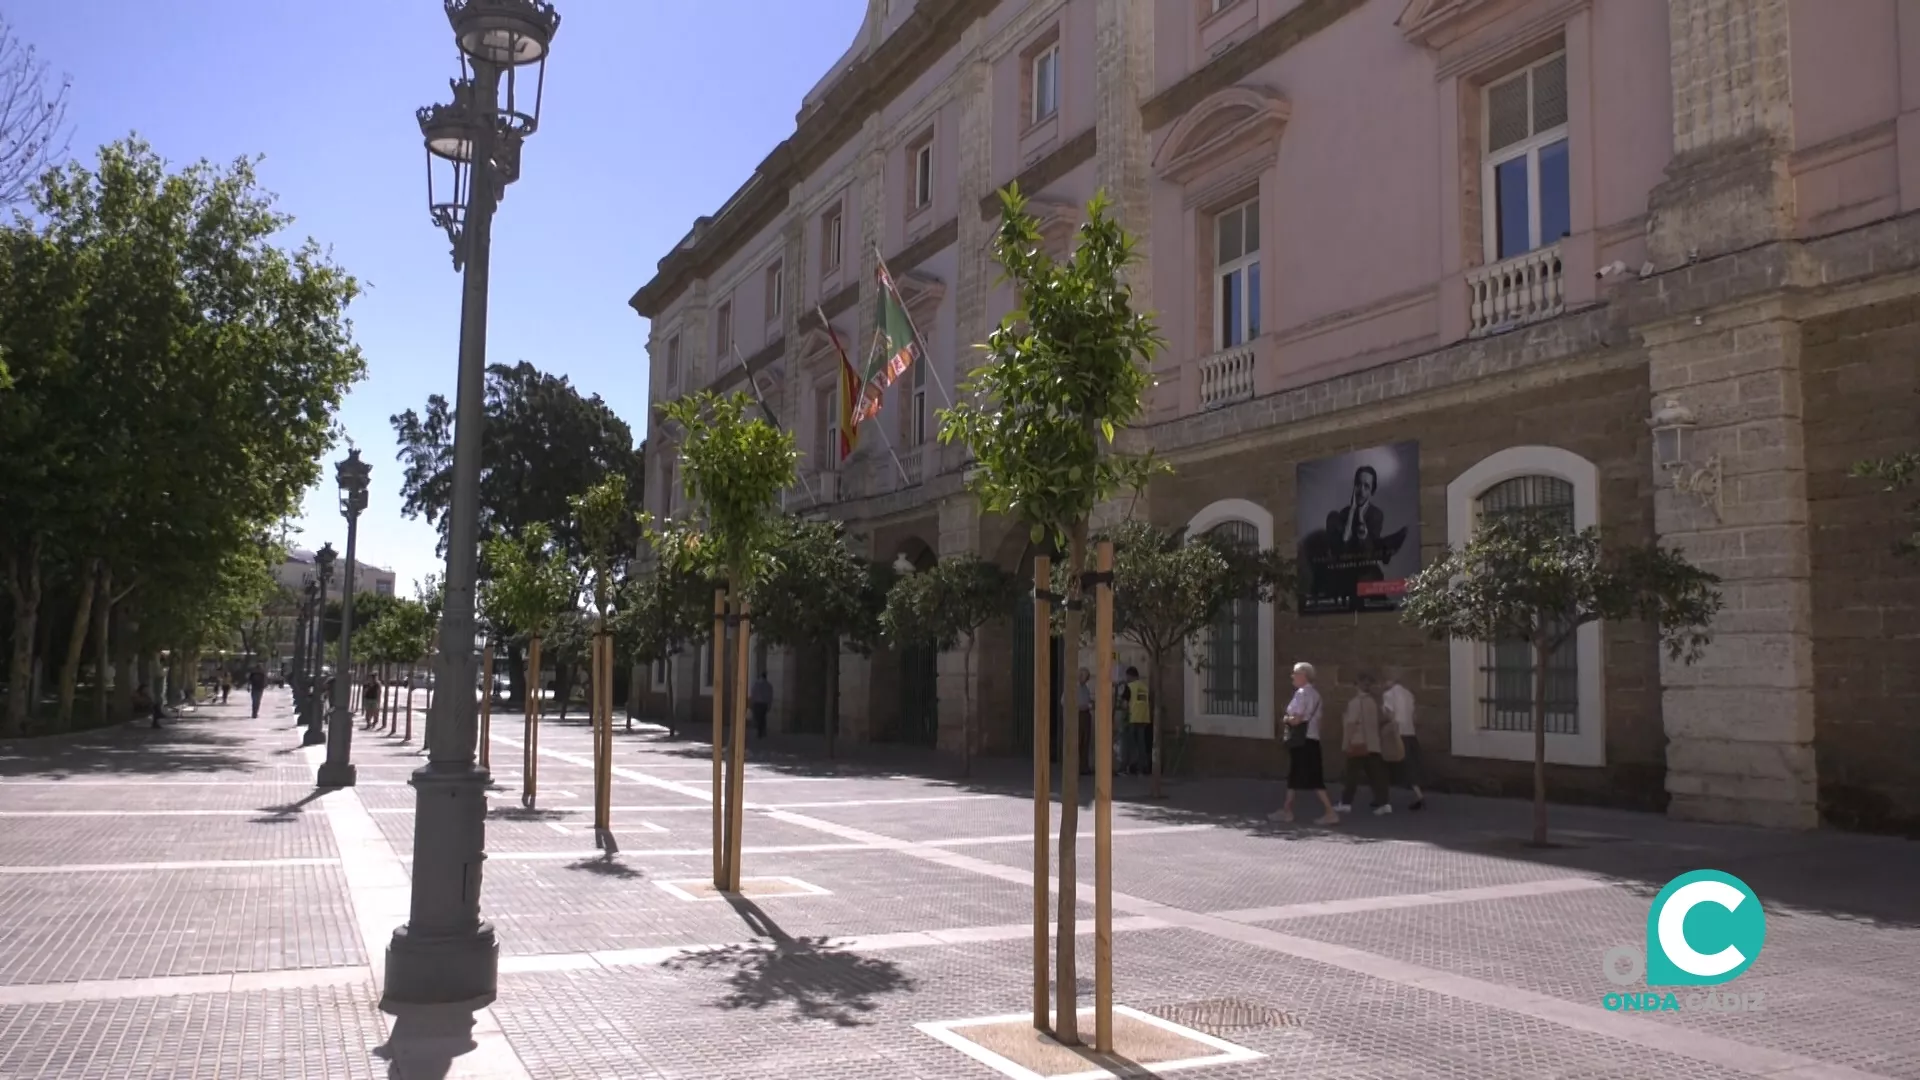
446 953
338 771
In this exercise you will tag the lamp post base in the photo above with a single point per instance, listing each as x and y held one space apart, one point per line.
314 737
336 775
442 970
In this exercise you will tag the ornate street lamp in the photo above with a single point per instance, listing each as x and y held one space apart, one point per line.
316 700
446 953
297 669
338 771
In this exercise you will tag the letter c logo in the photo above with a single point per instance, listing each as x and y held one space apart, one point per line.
1728 929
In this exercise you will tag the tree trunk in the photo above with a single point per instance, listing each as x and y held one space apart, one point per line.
1540 656
1066 993
673 703
126 672
1156 700
966 718
833 695
77 641
23 585
102 613
562 685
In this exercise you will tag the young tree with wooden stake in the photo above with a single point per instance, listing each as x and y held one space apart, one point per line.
1169 587
1528 576
602 516
943 607
1065 372
532 584
733 467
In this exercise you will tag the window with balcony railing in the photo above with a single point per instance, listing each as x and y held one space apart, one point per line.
1525 169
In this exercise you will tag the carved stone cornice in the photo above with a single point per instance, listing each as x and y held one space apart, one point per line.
1219 128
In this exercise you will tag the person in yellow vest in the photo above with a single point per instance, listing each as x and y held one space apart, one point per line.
1139 703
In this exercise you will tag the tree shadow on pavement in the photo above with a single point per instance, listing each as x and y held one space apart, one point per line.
126 749
810 976
608 866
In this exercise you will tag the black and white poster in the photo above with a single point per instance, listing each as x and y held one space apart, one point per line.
1359 529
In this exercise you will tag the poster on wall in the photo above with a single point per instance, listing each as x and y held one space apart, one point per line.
1359 529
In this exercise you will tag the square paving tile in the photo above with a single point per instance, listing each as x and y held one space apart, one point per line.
1141 1042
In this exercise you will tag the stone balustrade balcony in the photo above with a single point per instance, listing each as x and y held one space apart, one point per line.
1226 376
1516 291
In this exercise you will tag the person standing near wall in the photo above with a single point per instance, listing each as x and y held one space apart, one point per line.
1396 705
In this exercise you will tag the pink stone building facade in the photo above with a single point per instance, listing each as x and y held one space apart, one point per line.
1507 231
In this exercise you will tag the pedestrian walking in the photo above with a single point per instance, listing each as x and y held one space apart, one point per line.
1086 722
1139 701
144 702
370 693
256 687
1396 704
1360 735
1306 771
759 700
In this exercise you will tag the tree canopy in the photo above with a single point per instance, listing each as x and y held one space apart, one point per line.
545 444
734 466
1526 576
532 585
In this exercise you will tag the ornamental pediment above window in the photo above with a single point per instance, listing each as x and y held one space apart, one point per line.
1219 129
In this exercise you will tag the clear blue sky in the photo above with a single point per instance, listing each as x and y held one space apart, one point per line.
655 111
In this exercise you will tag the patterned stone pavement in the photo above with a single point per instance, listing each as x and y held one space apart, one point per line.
182 903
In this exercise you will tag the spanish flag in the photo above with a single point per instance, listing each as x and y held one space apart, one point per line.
849 399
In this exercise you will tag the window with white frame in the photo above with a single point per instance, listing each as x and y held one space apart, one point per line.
1215 7
922 158
1525 171
826 427
1046 83
1231 681
1236 278
830 239
1491 692
776 290
673 364
1506 668
723 330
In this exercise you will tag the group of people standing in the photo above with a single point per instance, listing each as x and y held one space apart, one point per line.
1376 736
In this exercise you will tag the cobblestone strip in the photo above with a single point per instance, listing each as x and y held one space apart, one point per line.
1628 1027
381 892
204 864
177 985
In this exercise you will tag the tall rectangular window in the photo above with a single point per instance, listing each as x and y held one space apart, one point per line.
1525 171
825 427
776 290
1046 84
673 364
723 333
1506 698
830 240
1236 279
1232 682
917 419
923 174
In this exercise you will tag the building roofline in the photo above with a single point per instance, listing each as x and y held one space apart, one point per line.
868 84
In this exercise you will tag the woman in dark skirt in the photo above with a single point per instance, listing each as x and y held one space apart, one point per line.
1306 771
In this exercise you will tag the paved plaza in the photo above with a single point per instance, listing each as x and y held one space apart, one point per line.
180 903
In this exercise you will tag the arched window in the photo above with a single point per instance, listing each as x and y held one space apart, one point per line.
1230 683
1492 691
1506 686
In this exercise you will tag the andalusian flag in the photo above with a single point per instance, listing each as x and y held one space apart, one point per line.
849 399
895 346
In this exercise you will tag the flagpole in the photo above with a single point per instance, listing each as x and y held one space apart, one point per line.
926 354
754 381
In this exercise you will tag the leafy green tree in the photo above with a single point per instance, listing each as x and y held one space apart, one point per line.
1898 473
1528 577
545 444
733 466
666 607
608 526
944 607
817 597
176 375
531 588
1065 372
1169 587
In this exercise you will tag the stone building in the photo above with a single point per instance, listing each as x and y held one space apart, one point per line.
1507 232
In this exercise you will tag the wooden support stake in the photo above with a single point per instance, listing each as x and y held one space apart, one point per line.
530 755
719 719
1042 796
486 707
1103 803
603 729
737 776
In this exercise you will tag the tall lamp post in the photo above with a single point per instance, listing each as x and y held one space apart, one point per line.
338 771
297 668
316 696
445 953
